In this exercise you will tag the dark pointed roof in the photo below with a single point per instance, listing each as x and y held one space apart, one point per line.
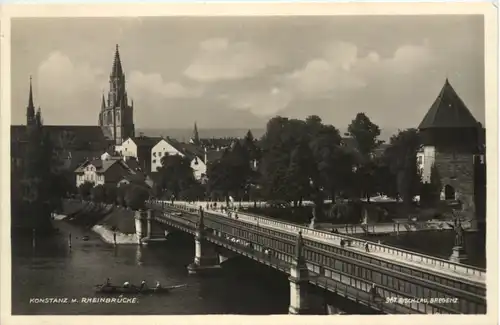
117 70
196 137
30 110
103 103
448 111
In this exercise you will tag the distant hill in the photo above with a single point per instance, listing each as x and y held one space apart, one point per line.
184 134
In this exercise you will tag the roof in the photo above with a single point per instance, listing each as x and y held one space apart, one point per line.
189 150
133 164
143 141
214 143
214 155
101 165
67 136
448 111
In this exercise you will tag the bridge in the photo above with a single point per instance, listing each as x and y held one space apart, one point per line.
405 282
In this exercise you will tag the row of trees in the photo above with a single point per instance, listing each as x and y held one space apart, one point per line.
38 185
131 195
307 160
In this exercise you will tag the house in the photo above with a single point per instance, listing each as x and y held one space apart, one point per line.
139 148
137 178
168 146
102 172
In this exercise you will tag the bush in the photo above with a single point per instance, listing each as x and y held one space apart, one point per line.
110 193
97 194
85 189
136 196
120 194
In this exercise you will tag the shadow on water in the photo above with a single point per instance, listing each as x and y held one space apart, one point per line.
438 243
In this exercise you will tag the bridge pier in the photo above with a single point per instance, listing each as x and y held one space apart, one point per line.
142 226
299 279
206 259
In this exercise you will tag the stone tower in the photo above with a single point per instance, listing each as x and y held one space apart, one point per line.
117 117
452 140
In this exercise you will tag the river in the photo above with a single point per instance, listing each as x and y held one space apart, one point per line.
52 269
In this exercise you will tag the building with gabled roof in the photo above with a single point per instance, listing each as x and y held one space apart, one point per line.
102 172
453 141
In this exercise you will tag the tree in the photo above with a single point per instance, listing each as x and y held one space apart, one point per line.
36 201
85 189
110 193
176 174
97 194
402 157
120 194
365 133
231 175
136 196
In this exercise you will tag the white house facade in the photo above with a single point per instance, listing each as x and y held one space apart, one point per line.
160 150
165 147
127 149
100 172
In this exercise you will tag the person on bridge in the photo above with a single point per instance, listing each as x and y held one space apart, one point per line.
126 284
158 285
342 243
107 283
143 284
367 248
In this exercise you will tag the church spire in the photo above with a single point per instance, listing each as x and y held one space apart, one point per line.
30 110
196 136
117 70
103 103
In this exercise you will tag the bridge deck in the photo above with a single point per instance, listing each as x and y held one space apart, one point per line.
384 255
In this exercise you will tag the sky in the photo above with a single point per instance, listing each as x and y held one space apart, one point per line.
237 72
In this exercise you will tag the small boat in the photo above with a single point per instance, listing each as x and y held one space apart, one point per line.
85 238
100 288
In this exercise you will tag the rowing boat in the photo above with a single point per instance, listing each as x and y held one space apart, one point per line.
100 288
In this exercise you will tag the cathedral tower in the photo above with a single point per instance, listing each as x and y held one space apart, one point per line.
30 109
117 117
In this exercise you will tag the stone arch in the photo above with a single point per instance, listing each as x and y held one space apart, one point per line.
449 192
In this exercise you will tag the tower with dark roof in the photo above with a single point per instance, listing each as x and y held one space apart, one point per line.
116 117
452 140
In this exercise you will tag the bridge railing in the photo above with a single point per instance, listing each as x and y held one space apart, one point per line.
325 276
352 241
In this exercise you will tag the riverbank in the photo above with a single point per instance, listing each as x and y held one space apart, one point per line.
106 220
107 235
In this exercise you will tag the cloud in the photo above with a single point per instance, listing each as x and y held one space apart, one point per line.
220 60
264 103
65 85
341 67
146 84
59 74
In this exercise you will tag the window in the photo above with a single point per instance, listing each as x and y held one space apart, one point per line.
154 161
154 154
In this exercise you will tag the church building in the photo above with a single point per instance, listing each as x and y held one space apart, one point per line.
77 143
